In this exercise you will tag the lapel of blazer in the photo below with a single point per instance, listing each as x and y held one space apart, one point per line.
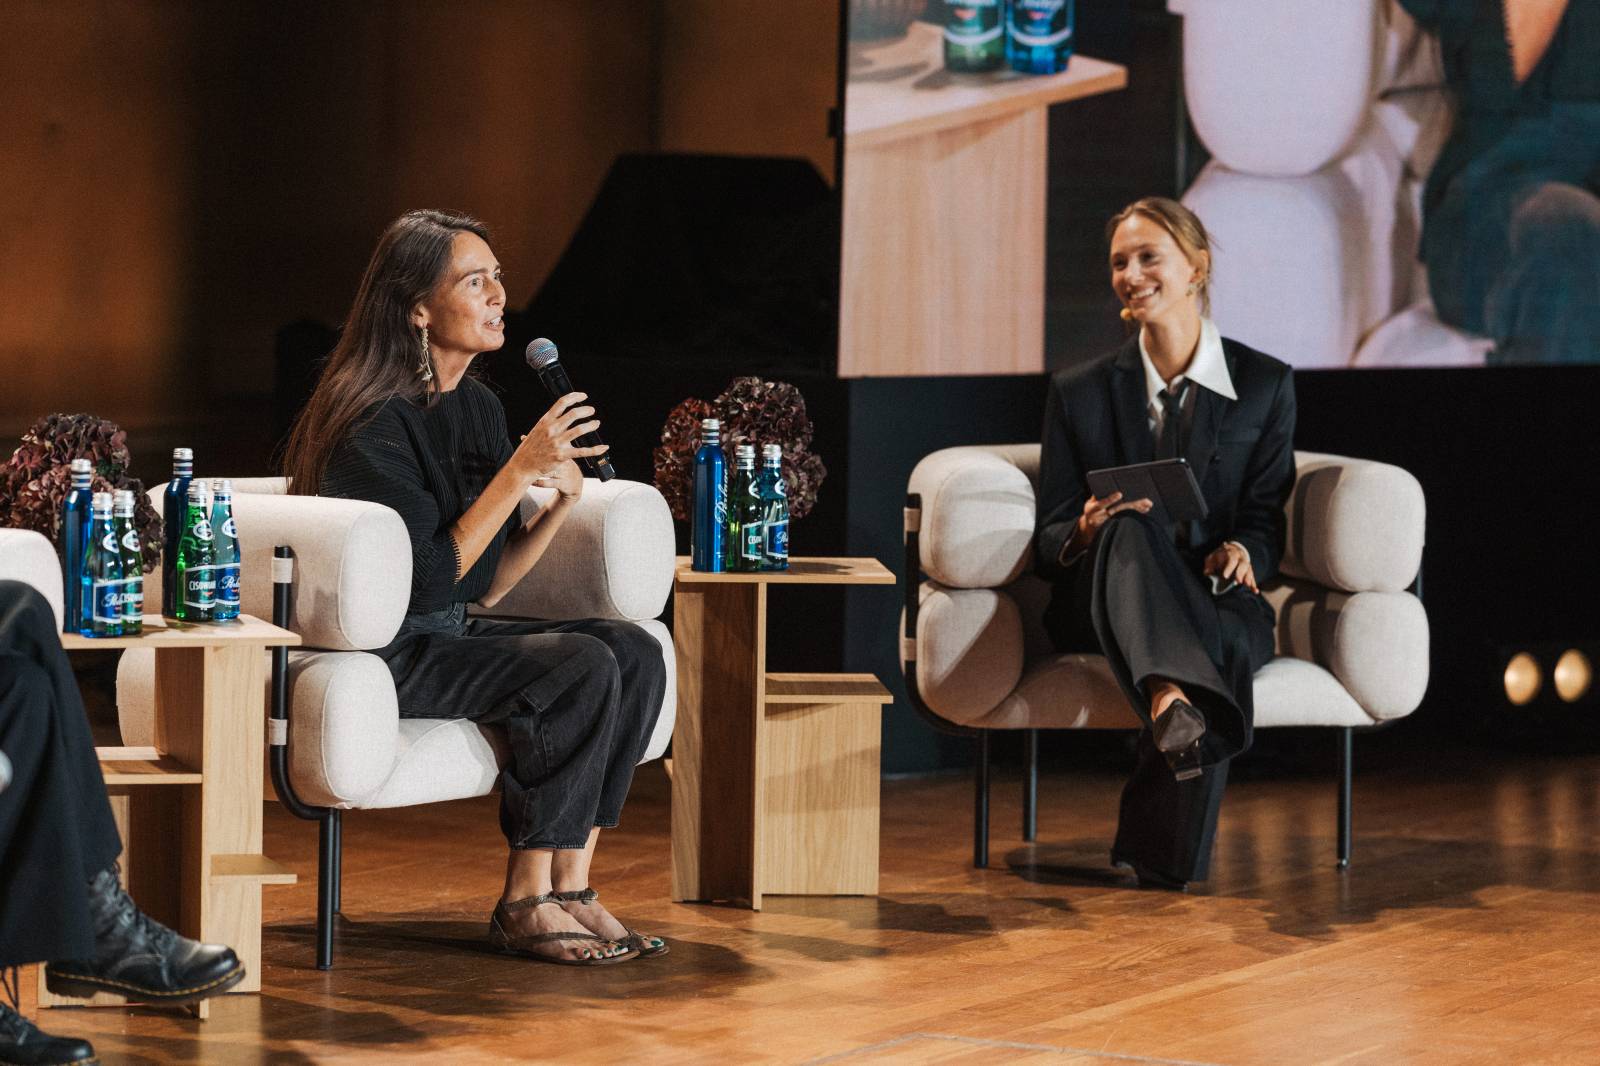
1130 406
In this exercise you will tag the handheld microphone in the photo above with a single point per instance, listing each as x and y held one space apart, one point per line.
546 362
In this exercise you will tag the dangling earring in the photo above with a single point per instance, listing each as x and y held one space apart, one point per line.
1194 287
425 368
1127 314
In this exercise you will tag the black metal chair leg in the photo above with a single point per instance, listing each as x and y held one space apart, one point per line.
1030 785
327 835
1346 754
980 826
338 860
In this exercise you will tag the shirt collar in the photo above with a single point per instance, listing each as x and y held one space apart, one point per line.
1209 367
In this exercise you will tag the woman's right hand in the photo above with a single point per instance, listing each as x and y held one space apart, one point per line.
1098 512
549 443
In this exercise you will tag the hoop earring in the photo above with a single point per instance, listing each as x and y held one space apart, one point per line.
425 368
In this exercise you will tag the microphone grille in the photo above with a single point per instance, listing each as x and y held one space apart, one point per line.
541 352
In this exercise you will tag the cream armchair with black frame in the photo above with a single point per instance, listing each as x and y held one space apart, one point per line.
1352 638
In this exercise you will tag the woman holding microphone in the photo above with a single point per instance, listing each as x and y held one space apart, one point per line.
396 419
1176 608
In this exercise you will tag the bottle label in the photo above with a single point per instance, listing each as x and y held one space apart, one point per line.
201 530
778 539
133 598
753 541
200 587
107 601
1040 23
109 541
229 529
972 22
130 540
228 585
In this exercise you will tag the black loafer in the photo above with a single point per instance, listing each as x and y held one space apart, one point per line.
23 1044
1177 735
1150 879
138 957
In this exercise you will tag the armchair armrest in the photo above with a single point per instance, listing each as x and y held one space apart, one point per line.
1354 525
612 559
977 518
28 557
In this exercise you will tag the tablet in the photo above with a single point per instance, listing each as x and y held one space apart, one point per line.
1169 483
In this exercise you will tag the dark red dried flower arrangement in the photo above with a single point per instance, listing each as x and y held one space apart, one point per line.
36 479
752 412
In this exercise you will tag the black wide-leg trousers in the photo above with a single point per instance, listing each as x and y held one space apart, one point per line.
56 829
578 701
1138 602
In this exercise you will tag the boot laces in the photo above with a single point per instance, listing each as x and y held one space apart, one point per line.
125 914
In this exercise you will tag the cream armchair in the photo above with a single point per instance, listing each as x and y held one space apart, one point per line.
29 557
1352 638
343 588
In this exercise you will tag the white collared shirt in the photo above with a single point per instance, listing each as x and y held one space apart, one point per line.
1208 368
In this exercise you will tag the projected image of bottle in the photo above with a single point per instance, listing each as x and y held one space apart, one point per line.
774 493
132 563
974 36
102 574
174 502
196 572
1039 35
225 549
742 552
76 512
710 515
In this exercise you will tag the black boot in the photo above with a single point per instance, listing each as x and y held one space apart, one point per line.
22 1044
138 957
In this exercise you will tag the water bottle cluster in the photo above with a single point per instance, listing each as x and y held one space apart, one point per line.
1033 36
103 567
740 523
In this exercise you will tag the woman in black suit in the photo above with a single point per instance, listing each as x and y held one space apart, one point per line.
1175 608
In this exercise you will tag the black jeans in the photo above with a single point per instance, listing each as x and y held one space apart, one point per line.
577 700
56 830
1140 603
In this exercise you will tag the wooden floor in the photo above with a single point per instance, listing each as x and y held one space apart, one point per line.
1467 932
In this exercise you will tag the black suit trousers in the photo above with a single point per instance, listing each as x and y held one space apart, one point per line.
1139 602
56 829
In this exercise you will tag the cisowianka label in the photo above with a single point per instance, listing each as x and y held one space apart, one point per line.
973 22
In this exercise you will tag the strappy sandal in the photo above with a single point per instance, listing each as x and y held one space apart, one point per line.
646 946
512 944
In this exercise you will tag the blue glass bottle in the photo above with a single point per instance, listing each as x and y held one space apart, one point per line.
774 493
75 516
196 570
102 574
122 506
225 549
174 504
710 500
1039 35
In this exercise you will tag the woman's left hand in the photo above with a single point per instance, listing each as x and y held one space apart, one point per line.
1230 561
567 480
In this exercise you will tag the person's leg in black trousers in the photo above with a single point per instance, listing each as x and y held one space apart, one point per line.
60 900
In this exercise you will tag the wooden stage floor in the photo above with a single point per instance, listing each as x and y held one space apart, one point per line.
1467 932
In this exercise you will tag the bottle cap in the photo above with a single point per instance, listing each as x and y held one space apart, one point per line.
222 486
197 491
122 499
745 451
772 451
183 455
102 501
711 423
82 466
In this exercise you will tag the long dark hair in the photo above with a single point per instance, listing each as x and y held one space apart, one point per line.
378 354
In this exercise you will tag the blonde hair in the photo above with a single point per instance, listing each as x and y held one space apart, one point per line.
1185 228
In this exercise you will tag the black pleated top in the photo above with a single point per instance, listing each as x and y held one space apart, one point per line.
429 464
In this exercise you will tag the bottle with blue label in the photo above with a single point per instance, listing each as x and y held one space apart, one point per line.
974 36
174 505
1039 35
225 548
710 516
196 570
774 493
76 512
743 548
102 573
132 563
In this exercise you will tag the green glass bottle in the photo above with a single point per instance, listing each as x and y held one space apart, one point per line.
122 505
196 572
974 36
743 541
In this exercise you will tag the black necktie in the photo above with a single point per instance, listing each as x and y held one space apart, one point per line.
1169 443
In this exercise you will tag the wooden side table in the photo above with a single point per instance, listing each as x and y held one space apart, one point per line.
943 251
774 775
189 808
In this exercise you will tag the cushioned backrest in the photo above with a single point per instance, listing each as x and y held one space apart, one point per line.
352 577
29 557
1279 87
1354 525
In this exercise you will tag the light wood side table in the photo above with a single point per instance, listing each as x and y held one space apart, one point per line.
774 775
189 808
944 210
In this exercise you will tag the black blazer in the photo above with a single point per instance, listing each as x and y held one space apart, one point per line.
1242 451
